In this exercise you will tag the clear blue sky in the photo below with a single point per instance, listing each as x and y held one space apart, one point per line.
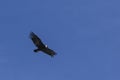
84 33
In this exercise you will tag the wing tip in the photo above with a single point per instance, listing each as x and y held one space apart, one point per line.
54 54
31 34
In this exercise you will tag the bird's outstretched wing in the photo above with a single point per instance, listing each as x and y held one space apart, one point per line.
36 40
49 52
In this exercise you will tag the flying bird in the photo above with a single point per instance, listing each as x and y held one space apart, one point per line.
40 45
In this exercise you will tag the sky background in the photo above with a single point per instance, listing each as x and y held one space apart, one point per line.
84 33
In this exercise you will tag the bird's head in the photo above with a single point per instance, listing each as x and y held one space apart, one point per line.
46 46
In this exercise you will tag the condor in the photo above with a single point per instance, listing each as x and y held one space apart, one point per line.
40 46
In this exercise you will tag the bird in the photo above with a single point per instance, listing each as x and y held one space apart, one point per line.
40 45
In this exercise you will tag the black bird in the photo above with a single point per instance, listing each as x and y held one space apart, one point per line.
40 46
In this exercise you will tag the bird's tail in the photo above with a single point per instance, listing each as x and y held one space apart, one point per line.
36 50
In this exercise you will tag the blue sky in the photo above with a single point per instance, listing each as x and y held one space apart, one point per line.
84 33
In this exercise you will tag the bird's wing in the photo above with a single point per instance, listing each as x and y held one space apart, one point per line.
36 40
49 51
